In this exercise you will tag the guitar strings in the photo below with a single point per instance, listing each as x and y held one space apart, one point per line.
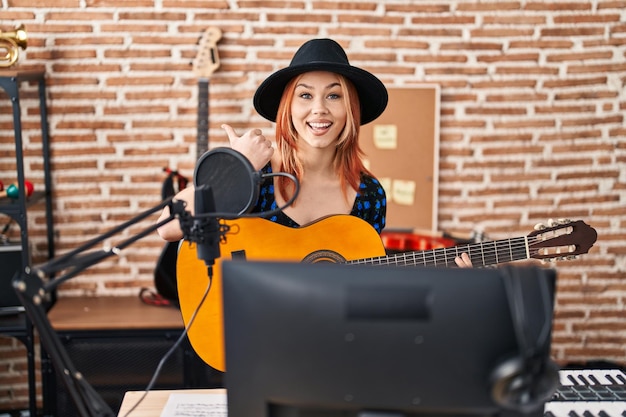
488 253
487 249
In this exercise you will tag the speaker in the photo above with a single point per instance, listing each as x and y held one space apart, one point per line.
116 362
11 261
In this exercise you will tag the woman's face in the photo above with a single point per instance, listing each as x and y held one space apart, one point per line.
318 112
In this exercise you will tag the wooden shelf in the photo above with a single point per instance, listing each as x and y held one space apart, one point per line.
111 313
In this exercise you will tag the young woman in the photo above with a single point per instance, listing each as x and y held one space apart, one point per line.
318 103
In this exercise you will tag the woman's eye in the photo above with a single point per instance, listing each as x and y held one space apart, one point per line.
305 95
334 96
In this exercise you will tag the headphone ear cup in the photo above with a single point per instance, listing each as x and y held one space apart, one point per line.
517 386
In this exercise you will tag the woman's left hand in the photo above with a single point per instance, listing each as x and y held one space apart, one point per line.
463 261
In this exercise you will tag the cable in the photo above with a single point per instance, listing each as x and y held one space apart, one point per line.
233 216
225 216
176 345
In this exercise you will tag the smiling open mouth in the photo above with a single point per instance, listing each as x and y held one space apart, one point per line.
319 126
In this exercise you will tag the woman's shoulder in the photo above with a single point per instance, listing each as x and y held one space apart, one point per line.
371 202
370 184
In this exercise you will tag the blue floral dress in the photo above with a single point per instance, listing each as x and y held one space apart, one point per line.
370 203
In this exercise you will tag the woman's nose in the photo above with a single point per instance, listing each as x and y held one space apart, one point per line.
319 107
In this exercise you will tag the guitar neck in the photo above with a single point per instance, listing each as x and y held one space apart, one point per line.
202 137
481 254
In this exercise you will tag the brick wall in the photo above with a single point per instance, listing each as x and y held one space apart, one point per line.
532 123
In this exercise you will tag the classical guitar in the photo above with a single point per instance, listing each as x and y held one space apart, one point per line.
205 64
342 239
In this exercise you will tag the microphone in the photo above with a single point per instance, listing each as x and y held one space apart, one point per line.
206 227
232 178
226 186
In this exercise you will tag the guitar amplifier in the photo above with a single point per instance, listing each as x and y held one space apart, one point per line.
11 261
114 362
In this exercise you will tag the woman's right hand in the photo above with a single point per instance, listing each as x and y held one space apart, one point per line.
253 145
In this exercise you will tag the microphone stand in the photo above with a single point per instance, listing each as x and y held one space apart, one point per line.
34 284
32 291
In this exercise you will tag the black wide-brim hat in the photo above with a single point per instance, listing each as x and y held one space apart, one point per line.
322 55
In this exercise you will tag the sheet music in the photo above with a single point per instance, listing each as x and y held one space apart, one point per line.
196 405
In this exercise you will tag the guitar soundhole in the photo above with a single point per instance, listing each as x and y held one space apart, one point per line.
324 256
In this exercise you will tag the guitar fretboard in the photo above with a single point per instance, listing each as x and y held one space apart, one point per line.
481 254
202 137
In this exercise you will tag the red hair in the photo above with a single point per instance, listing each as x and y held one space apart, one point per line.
348 159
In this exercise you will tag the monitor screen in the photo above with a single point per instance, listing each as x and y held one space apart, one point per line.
352 340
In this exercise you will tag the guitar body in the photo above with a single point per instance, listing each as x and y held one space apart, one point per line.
165 272
332 239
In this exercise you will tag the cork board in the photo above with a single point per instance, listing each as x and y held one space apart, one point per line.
402 150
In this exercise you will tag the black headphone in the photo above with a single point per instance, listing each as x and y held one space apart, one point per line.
527 380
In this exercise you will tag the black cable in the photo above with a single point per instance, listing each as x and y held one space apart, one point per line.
175 346
210 275
232 216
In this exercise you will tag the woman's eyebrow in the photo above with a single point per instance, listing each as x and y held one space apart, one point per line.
328 87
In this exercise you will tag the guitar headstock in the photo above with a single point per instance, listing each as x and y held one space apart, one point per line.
562 239
207 60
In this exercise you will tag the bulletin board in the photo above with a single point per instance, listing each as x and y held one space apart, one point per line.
402 151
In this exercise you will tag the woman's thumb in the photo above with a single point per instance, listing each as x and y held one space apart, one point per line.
229 131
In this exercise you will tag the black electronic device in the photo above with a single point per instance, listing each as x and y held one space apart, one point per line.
11 261
349 340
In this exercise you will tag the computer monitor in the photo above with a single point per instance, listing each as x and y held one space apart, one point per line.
349 340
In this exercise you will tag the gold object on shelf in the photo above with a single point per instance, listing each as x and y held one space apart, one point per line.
11 42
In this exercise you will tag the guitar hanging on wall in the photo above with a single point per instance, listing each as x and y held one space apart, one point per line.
205 64
342 239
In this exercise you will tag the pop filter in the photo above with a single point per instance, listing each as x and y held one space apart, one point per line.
232 178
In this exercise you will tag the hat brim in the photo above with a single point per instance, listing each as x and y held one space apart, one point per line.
372 92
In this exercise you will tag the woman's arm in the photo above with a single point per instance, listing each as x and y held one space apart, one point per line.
253 145
171 231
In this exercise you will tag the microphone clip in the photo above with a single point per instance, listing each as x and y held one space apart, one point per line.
204 227
203 230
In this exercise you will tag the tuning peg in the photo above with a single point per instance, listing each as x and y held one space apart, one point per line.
540 226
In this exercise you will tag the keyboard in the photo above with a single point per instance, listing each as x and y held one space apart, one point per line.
589 393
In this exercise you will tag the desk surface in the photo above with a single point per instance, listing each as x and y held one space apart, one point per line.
153 404
111 313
